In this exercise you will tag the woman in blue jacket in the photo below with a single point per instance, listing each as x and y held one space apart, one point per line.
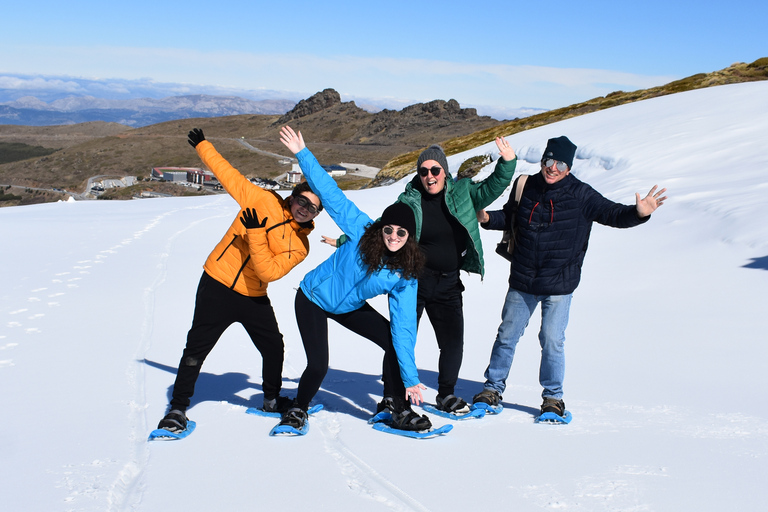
379 257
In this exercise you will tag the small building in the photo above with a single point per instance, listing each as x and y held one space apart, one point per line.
176 173
265 183
200 176
175 176
335 170
294 176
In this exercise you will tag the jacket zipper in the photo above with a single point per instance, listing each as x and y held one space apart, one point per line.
227 247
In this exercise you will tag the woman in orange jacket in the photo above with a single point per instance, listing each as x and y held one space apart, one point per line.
266 240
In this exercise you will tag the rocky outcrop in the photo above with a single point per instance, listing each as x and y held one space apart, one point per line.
316 103
424 123
326 116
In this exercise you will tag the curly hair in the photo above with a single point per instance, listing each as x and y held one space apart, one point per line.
375 255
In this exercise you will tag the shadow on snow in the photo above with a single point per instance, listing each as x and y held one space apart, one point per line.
760 263
352 393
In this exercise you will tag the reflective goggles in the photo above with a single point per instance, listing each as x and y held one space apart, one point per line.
561 166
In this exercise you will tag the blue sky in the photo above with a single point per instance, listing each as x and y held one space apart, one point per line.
504 55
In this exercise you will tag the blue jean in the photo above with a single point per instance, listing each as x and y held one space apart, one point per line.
517 311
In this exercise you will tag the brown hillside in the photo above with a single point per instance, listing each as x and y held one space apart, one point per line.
59 136
337 131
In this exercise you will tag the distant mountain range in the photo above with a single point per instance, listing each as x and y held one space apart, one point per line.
31 111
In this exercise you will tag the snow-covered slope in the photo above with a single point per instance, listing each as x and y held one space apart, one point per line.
666 350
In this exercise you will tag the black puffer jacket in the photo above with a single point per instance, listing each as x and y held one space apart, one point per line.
553 226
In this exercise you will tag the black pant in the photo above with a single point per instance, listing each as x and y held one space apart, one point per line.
366 321
440 295
216 308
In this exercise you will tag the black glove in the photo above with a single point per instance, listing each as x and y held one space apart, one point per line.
250 220
195 137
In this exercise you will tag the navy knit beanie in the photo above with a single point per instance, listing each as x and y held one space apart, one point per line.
435 153
400 214
560 149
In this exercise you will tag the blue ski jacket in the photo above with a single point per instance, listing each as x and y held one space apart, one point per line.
342 284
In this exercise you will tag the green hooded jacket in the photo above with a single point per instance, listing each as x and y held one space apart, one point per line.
464 199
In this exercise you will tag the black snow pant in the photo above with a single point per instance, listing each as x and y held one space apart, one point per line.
216 308
440 294
367 322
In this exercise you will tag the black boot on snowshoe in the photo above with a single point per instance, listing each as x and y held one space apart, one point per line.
295 417
452 404
386 404
175 421
280 404
409 420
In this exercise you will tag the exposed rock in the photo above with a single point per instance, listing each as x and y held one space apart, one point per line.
312 105
429 122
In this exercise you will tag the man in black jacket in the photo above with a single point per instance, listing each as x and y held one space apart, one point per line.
552 224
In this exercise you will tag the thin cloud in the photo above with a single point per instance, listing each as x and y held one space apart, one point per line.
178 71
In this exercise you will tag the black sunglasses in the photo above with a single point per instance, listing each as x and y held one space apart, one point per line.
401 232
423 171
306 204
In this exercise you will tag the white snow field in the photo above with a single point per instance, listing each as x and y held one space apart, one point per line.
666 350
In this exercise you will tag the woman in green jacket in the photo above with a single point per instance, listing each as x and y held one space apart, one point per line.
448 234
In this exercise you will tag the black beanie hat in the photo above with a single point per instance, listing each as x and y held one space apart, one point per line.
400 214
435 153
560 149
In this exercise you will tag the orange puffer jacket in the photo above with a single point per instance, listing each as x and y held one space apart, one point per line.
246 260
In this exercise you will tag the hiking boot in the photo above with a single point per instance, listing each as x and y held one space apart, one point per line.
452 404
553 405
386 404
487 396
175 421
280 404
295 417
409 420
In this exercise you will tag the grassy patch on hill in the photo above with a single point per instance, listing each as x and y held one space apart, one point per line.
170 189
17 196
15 151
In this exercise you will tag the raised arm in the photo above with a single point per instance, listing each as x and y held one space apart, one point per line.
342 210
486 192
236 185
292 140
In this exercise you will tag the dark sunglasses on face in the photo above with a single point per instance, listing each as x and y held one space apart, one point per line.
561 166
306 204
423 171
401 232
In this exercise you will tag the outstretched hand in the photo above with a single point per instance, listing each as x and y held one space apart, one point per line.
482 216
328 240
649 203
505 150
195 137
413 393
250 219
293 141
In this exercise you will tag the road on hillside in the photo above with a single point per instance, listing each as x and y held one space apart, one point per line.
262 152
353 169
